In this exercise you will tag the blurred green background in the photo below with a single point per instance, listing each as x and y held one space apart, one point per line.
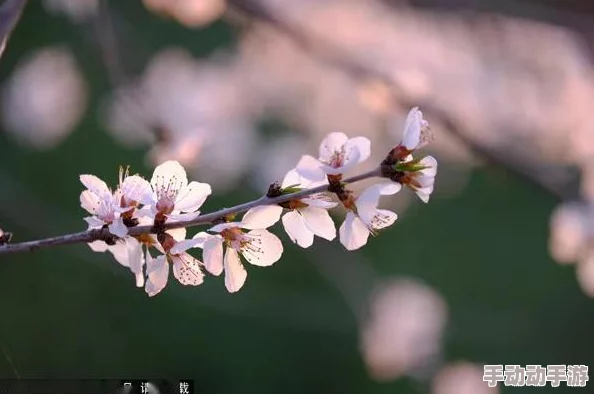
70 313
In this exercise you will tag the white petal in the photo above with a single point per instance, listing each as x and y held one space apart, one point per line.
118 228
120 252
213 255
353 232
94 223
192 196
98 246
235 273
360 144
431 164
178 217
202 237
223 226
264 248
263 216
169 176
412 129
424 194
182 246
94 184
157 271
297 230
368 200
319 221
179 234
294 178
187 270
310 168
333 142
89 201
383 218
320 200
137 189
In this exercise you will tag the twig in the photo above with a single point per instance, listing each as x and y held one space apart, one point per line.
333 56
103 234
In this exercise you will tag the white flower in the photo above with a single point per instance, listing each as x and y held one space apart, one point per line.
364 218
128 252
416 131
258 246
306 217
337 155
186 268
421 180
104 205
173 197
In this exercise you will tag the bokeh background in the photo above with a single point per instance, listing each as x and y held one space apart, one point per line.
237 91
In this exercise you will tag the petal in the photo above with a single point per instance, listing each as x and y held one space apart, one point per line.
94 223
320 200
94 184
157 271
118 228
120 252
333 142
353 232
213 255
264 248
202 237
192 196
383 218
89 201
294 178
263 216
319 221
179 234
424 194
98 246
310 168
411 136
431 164
297 230
137 189
368 200
235 273
223 226
169 176
187 270
179 217
360 144
182 246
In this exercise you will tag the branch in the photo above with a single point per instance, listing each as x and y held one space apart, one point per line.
334 56
105 235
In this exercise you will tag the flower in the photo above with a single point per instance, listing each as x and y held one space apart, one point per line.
258 246
173 197
305 218
419 175
186 268
337 155
134 190
364 218
104 205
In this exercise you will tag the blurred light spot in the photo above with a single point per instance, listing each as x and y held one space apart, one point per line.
76 10
44 99
404 331
461 378
191 13
568 232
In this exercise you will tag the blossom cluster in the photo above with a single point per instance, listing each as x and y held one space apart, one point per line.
169 197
